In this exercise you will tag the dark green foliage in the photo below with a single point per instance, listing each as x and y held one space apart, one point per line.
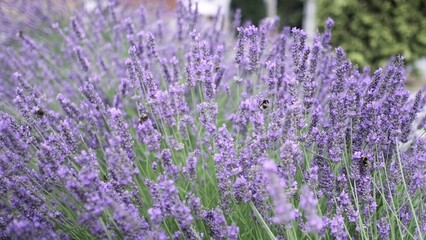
253 10
371 31
289 11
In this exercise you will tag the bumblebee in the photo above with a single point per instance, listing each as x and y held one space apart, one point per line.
39 112
365 162
142 118
264 104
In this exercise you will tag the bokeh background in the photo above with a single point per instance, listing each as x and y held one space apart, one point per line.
370 31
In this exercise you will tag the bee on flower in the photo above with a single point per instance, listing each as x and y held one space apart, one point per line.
264 104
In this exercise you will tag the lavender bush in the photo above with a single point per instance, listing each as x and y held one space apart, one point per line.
126 125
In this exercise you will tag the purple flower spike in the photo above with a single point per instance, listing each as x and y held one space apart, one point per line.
208 113
284 211
308 203
84 63
120 129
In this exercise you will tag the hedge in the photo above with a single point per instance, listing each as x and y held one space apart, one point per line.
372 31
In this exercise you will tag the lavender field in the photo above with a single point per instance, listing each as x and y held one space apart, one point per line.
138 124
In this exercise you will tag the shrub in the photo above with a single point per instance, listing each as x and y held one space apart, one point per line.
124 125
373 31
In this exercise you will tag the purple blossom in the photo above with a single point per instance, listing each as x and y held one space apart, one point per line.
284 211
191 163
346 203
77 30
69 107
69 137
226 163
239 56
233 232
326 36
337 227
21 229
169 167
148 133
308 203
155 215
152 46
406 126
217 223
120 129
254 49
84 63
208 112
241 190
171 128
290 157
236 22
384 228
194 204
89 91
131 72
167 203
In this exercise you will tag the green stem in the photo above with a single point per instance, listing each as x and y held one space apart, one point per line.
408 194
262 221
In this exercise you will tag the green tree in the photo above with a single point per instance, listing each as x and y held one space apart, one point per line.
291 12
371 31
253 10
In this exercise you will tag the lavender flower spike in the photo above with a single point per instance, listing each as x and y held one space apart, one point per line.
284 211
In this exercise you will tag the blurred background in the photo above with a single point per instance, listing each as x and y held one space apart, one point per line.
370 31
